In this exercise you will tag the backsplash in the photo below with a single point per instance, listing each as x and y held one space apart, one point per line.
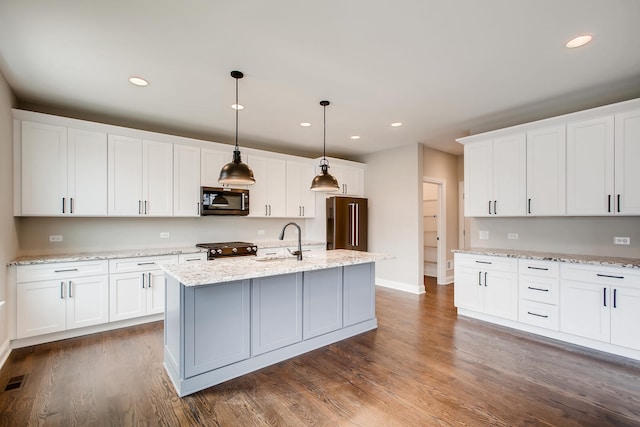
577 235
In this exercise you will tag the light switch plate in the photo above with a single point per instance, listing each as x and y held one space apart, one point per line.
164 235
484 235
512 236
621 240
55 238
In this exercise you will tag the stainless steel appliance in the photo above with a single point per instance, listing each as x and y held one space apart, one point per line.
347 223
224 201
228 249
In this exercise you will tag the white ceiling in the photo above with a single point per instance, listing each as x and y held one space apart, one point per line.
442 67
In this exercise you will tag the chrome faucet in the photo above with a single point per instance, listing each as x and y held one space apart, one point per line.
297 253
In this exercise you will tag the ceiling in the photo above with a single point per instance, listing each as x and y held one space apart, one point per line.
444 68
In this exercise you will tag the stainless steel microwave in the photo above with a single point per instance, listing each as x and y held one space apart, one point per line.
224 201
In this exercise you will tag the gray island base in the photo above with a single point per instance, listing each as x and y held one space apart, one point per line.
227 328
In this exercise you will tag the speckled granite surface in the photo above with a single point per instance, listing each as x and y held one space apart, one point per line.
90 256
266 244
229 269
551 256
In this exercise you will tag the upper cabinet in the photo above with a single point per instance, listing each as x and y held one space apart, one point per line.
578 164
268 194
211 162
350 176
301 201
546 171
140 177
186 180
63 171
495 177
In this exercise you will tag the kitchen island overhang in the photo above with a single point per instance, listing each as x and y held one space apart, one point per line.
226 318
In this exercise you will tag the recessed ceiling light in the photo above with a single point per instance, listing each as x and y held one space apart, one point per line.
396 124
138 81
579 41
355 137
305 124
237 107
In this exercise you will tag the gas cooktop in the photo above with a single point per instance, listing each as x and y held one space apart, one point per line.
228 249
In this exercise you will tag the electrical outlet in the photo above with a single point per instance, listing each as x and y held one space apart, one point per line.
512 236
621 240
484 235
164 235
449 265
261 232
55 238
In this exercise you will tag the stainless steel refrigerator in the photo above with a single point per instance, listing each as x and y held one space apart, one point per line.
347 223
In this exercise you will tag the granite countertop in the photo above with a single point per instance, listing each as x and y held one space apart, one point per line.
552 256
265 244
199 273
91 256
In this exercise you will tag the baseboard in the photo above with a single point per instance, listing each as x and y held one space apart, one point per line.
5 351
447 280
405 287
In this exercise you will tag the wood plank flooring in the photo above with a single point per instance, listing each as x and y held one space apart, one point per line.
423 366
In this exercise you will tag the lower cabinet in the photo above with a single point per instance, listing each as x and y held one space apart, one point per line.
321 302
276 312
487 285
359 294
539 288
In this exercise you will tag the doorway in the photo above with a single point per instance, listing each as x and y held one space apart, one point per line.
434 228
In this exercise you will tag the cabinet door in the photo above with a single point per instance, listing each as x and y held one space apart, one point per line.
625 317
41 308
259 196
510 176
125 176
546 171
467 288
322 302
353 181
208 346
478 179
44 169
359 293
277 183
87 172
590 178
155 292
186 181
500 294
127 296
301 201
584 310
157 178
87 301
268 195
276 312
627 155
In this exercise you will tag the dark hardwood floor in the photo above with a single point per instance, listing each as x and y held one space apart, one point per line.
423 366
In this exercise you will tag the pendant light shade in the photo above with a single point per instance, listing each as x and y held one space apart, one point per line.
324 181
236 172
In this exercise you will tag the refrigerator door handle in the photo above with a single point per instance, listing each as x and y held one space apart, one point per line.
357 227
352 224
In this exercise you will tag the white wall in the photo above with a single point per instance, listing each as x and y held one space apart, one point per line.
8 236
574 235
393 185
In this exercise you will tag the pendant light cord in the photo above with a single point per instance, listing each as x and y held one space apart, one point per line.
324 132
237 108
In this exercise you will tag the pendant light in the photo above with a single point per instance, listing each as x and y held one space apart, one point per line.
324 181
236 172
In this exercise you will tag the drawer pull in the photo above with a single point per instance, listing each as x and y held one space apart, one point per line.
609 276
538 315
146 263
484 262
537 289
65 271
538 268
192 259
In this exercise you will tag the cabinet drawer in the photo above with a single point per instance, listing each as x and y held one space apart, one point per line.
271 252
610 276
61 270
539 268
538 314
127 265
200 256
540 289
485 262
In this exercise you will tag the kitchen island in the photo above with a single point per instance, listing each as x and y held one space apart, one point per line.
228 317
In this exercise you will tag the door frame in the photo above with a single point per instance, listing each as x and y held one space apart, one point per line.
442 228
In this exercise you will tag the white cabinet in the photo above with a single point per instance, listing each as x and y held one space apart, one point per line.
64 171
539 286
546 171
601 303
350 177
301 201
627 162
199 256
57 297
495 177
136 286
140 177
268 194
487 285
186 180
